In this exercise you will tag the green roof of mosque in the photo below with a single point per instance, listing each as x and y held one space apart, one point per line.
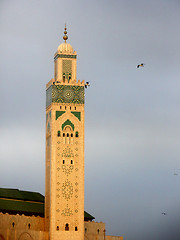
88 217
20 207
21 195
15 201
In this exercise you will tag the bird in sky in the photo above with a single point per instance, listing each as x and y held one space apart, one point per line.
87 84
175 174
164 213
140 65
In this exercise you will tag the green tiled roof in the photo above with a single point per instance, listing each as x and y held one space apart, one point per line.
21 195
15 201
21 207
88 217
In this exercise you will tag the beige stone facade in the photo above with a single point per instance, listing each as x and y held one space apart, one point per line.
94 230
21 227
64 194
64 198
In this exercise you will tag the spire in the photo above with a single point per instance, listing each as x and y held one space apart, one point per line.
65 37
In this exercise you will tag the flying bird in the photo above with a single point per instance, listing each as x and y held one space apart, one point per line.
175 174
164 213
87 84
140 65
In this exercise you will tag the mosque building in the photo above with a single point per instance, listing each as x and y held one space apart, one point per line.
60 214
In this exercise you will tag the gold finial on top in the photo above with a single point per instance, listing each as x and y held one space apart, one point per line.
65 37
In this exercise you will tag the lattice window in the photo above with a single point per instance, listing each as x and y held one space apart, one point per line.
67 66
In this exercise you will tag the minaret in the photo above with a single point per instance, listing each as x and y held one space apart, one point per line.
64 197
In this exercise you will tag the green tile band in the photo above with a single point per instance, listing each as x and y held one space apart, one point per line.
77 114
59 113
68 122
64 94
64 56
68 94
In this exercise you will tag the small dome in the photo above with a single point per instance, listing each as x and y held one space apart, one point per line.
65 48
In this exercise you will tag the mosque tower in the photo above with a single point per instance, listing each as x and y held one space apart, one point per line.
64 196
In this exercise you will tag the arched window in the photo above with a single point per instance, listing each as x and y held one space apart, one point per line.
85 230
58 134
67 227
71 161
64 77
71 134
98 231
29 225
69 76
67 129
63 161
13 224
77 134
76 228
57 228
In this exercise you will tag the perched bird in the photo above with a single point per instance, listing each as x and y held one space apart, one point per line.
87 84
140 65
164 213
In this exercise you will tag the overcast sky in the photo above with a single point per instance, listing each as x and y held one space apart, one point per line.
132 125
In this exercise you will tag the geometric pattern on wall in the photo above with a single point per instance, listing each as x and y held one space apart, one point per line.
67 211
68 122
68 94
67 169
67 152
65 94
48 122
67 190
59 113
77 114
67 66
48 96
64 56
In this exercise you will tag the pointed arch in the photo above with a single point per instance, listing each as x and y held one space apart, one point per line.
68 122
26 236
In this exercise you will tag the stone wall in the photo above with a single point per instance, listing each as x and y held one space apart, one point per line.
20 227
94 230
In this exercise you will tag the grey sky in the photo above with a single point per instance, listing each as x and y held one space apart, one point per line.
132 127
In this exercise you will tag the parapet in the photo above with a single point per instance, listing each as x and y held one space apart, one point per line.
65 82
